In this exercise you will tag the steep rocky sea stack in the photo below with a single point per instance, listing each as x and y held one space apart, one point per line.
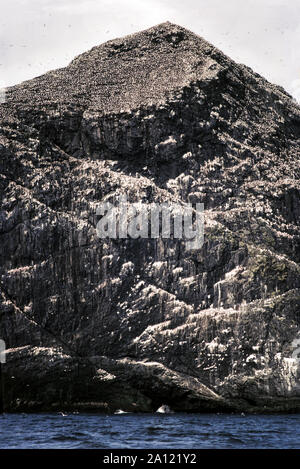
162 116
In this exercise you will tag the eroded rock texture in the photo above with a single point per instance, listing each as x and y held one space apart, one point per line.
162 116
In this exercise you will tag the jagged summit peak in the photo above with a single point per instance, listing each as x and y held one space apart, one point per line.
142 69
125 73
161 29
168 27
165 34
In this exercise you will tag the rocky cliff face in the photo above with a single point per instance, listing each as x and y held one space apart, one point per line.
161 116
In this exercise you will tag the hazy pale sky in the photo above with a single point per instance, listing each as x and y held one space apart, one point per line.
40 35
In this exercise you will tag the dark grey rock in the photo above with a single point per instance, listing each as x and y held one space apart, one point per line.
163 116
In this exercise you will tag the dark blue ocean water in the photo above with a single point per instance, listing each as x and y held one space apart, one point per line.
149 431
